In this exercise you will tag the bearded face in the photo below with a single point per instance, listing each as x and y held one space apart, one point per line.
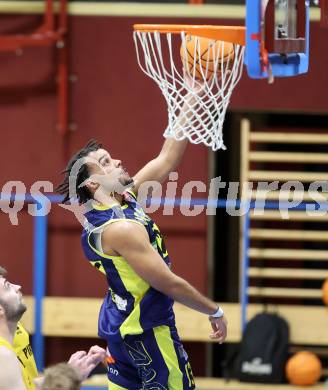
13 313
115 182
11 300
107 175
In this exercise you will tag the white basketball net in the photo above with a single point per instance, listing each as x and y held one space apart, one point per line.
204 99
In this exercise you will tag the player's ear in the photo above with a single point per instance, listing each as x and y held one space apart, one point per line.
91 183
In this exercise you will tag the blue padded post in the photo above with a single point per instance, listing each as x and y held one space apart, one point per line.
39 282
244 272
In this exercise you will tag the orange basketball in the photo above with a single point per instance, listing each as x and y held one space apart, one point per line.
303 369
204 56
325 292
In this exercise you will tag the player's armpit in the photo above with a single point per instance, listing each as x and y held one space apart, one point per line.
159 168
10 371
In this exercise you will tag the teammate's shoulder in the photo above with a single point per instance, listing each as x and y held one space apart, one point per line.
123 228
123 225
10 370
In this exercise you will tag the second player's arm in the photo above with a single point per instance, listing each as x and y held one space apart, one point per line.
131 241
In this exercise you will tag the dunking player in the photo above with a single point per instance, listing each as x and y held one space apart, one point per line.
121 241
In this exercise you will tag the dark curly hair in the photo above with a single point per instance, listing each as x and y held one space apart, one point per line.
83 193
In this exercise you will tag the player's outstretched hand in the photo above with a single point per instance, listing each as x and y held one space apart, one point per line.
96 354
79 362
219 326
84 362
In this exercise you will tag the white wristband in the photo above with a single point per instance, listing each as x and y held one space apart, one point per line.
218 314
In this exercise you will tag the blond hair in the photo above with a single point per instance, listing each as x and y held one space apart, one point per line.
62 376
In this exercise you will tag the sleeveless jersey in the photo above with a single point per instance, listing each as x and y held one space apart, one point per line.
22 349
131 305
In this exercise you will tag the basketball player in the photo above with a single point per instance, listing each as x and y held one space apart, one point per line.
122 242
17 366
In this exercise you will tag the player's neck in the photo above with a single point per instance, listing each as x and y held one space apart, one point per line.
104 199
7 330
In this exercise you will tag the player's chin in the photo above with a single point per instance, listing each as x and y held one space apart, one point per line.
21 309
126 180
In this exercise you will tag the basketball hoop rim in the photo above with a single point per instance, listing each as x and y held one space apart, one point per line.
233 34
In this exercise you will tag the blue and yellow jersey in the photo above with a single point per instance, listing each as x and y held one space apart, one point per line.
131 305
22 348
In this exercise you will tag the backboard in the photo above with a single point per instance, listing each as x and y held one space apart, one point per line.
277 38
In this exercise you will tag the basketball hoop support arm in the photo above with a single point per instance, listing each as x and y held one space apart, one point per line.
49 35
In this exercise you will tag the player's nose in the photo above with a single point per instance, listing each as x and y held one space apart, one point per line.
118 163
17 287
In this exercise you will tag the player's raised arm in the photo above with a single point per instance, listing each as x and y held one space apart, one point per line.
147 263
159 168
10 371
172 151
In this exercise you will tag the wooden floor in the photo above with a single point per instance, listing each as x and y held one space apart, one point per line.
99 381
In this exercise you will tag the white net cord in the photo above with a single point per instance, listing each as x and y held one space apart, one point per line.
198 91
